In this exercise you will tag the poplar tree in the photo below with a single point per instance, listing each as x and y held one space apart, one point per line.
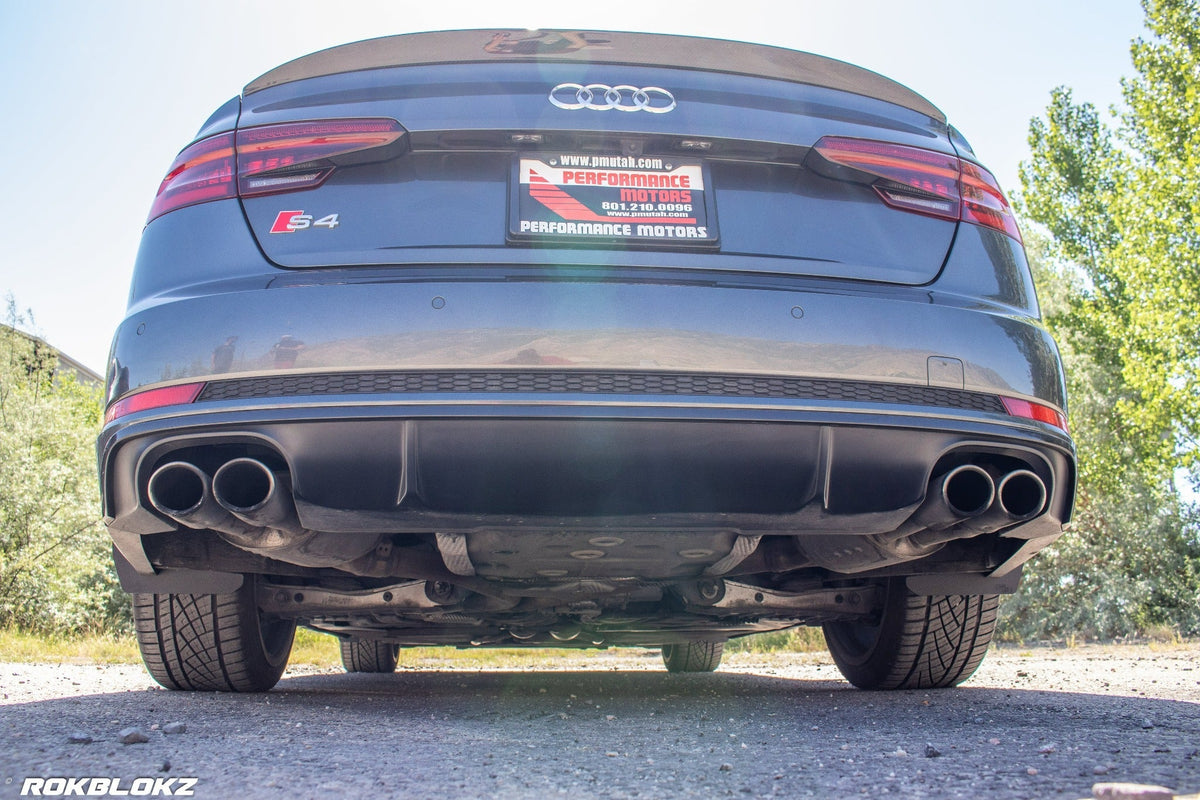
1118 197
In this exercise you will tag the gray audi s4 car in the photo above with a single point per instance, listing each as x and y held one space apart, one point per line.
578 339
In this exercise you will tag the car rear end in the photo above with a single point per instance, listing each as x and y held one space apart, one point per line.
580 338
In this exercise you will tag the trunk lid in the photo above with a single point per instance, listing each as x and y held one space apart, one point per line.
614 154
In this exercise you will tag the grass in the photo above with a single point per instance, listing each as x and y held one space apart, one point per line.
90 648
315 649
310 649
796 640
320 650
1153 637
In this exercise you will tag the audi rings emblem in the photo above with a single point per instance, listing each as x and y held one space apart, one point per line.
599 97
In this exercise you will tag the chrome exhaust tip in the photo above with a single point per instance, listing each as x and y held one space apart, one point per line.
178 488
1021 494
968 491
248 489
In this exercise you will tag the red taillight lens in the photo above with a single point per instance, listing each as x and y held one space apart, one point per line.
913 179
983 203
201 173
922 181
182 394
1035 411
284 158
268 159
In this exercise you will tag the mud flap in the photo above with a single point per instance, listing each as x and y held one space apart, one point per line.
937 585
175 581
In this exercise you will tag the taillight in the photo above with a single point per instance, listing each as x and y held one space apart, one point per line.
1035 411
983 203
919 180
201 173
180 394
284 158
269 159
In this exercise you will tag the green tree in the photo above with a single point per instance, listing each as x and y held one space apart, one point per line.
1119 277
1131 562
55 558
1122 203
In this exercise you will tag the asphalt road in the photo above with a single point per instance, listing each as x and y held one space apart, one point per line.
1037 723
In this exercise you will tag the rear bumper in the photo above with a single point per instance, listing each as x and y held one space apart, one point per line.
832 474
469 318
520 405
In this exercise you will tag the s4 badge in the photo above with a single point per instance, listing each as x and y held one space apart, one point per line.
292 221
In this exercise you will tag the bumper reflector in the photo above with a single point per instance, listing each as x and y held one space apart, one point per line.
1035 411
181 394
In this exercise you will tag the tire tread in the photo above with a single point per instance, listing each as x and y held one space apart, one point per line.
204 642
922 643
944 640
693 656
362 655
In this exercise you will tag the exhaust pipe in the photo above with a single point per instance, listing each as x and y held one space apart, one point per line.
962 503
183 492
960 494
251 507
250 491
967 491
1020 495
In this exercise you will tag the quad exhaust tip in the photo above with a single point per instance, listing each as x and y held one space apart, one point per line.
248 489
968 501
972 496
243 484
968 491
183 492
178 488
251 507
244 495
1021 495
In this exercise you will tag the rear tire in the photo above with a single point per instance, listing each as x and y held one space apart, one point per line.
212 642
919 643
693 656
361 655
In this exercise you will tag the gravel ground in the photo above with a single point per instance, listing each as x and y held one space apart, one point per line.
1032 723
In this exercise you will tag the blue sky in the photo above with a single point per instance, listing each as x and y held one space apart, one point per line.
98 97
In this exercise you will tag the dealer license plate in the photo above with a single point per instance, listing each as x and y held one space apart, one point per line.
602 199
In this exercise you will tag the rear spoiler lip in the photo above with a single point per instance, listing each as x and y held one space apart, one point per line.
596 47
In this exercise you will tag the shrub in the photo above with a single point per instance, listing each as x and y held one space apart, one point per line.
56 573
